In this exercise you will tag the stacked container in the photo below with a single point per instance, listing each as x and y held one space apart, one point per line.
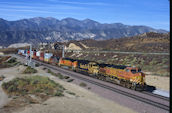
22 52
34 55
28 53
41 56
48 57
19 52
25 52
37 54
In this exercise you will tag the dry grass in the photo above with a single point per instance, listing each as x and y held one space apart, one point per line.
29 70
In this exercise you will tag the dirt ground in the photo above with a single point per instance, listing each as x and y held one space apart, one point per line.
159 82
84 101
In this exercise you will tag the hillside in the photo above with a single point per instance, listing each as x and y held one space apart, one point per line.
35 30
147 42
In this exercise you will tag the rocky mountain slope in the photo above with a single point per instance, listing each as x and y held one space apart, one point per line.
49 29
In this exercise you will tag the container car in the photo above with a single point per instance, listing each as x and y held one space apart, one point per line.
41 58
48 57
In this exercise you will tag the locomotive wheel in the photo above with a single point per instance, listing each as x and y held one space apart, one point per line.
134 86
128 85
123 83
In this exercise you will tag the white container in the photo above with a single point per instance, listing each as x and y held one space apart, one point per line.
22 52
19 51
48 55
38 53
31 53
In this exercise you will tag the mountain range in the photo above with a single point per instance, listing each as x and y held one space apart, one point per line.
38 29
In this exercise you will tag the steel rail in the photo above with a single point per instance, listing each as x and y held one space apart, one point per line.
139 98
136 97
156 95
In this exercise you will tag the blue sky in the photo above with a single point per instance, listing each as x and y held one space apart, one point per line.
153 13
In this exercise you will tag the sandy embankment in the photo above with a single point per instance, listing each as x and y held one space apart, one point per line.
83 102
159 82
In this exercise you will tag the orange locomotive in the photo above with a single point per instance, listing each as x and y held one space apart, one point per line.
130 77
66 62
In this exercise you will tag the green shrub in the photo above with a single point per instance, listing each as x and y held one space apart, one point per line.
66 77
29 70
33 85
83 84
37 65
60 76
89 87
70 80
44 68
58 93
70 93
49 71
12 60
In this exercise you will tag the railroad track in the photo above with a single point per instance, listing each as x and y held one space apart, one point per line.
156 95
136 97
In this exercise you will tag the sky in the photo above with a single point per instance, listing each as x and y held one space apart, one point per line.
153 13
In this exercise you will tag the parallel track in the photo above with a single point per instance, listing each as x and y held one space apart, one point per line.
136 97
139 98
156 95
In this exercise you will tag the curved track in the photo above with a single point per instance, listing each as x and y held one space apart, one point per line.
139 98
156 95
131 95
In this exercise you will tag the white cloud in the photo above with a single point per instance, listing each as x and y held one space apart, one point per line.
37 11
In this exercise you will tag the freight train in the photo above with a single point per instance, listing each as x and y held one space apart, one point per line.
127 76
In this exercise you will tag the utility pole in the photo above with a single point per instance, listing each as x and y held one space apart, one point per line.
63 50
30 52
30 63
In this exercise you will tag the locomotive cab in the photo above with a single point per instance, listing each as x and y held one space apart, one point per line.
93 68
137 77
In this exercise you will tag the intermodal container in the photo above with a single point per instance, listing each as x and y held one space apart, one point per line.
25 52
41 56
47 57
19 52
37 54
34 55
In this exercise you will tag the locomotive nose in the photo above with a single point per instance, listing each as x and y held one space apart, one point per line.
142 77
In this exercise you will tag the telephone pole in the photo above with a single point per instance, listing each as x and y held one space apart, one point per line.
63 51
30 63
30 53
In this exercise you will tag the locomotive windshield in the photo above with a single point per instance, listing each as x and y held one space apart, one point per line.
139 70
135 71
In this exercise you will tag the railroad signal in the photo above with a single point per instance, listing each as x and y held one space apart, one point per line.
60 47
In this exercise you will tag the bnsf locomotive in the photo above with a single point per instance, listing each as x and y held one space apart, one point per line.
127 76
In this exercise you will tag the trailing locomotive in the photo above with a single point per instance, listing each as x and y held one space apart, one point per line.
127 76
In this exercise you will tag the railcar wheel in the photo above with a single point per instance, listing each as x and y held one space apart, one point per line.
129 85
134 86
